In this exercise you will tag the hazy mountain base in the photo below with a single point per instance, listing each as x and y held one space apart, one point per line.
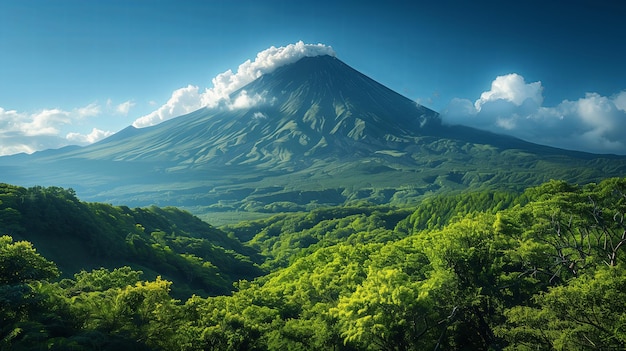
230 193
477 271
440 167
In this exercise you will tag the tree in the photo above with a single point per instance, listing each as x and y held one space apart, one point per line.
473 252
573 242
389 312
20 263
100 280
588 313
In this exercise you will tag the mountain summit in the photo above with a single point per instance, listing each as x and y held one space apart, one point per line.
317 106
310 133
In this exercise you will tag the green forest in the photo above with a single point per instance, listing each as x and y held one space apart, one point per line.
543 269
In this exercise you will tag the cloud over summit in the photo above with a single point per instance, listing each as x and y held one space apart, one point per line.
512 106
189 99
513 88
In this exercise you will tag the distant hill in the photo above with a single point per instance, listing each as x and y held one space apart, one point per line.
311 133
168 242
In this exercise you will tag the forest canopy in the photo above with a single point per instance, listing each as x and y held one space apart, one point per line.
538 270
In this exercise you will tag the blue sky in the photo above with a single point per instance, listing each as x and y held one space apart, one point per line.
551 72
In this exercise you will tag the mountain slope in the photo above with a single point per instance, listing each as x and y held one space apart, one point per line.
315 132
318 105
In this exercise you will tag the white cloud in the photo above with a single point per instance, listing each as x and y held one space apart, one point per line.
259 115
182 101
512 88
592 123
121 108
54 128
228 82
88 111
620 100
243 100
124 107
45 122
29 132
13 143
95 135
16 148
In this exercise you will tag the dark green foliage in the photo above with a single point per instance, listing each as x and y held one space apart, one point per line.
76 235
20 264
98 310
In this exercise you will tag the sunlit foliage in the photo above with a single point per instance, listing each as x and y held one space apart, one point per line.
541 270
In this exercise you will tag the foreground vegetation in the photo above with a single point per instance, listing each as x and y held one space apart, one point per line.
540 270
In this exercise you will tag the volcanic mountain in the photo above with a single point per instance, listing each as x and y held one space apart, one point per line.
317 107
314 132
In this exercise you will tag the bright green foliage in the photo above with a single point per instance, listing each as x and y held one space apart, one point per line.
20 263
471 250
125 312
436 212
389 312
282 238
540 271
573 243
578 227
101 280
220 323
107 315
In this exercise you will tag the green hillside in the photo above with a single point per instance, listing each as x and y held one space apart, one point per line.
159 241
543 269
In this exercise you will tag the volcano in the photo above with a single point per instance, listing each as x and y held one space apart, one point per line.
311 133
316 107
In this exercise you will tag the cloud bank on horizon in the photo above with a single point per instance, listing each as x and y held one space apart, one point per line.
190 98
22 132
593 123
